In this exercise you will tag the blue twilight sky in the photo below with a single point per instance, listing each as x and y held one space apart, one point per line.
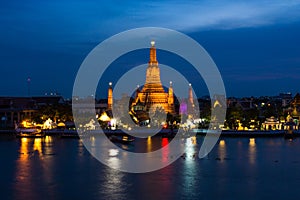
255 44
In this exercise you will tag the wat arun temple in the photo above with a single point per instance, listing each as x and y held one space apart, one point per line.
153 95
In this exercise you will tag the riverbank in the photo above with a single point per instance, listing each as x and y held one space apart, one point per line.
233 133
168 132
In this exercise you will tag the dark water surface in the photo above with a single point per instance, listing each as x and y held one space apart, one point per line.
237 168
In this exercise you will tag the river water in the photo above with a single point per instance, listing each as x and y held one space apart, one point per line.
237 168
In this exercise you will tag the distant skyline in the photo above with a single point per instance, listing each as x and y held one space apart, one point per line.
254 44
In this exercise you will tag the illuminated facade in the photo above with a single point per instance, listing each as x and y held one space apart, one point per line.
153 95
272 123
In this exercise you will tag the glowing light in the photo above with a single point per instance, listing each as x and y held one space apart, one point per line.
149 144
125 138
252 142
194 140
110 83
90 125
222 143
152 43
61 124
113 152
189 142
23 140
113 123
222 150
26 124
24 149
48 139
165 150
37 145
104 117
48 124
165 142
252 151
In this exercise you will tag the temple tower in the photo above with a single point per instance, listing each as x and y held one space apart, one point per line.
153 83
153 95
190 104
170 95
110 97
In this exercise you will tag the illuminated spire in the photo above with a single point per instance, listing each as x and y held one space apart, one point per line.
190 105
170 95
153 72
153 53
191 99
110 96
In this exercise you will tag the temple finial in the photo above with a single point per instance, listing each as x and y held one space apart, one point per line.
153 53
152 43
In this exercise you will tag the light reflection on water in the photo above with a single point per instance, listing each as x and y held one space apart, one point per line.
189 170
222 150
149 144
32 167
165 150
246 167
37 145
252 151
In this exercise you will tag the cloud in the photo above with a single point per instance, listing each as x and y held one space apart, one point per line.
265 76
91 17
189 15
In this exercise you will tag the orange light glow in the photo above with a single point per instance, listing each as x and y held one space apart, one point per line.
222 143
252 142
37 145
149 144
24 149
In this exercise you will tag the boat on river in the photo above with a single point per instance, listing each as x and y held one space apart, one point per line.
121 139
32 132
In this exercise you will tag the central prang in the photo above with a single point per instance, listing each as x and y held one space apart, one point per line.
152 98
